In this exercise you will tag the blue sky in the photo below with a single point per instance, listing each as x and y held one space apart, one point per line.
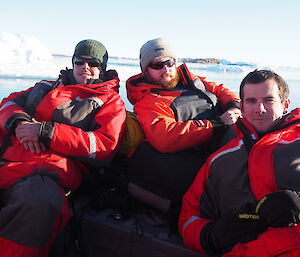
263 32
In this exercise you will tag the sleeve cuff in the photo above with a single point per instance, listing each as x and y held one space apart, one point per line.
11 122
46 132
232 104
205 239
218 125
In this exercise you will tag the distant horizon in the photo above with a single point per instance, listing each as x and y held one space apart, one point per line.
253 31
192 58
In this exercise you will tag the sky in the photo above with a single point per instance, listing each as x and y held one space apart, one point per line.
264 32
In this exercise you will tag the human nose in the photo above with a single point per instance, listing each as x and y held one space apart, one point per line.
166 68
85 65
261 108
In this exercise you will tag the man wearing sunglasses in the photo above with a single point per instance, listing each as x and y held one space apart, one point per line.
182 116
50 135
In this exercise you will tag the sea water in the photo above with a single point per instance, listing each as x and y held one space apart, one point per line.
17 77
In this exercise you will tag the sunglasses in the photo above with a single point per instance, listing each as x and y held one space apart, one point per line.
91 62
159 65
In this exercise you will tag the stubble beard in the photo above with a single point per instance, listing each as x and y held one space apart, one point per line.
166 84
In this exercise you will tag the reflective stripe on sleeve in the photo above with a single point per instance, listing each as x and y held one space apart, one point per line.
230 150
199 123
93 147
9 103
285 142
190 220
45 82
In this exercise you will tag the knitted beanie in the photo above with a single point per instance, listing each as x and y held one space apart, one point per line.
92 48
154 48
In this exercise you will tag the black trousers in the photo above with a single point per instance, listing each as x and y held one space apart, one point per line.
166 174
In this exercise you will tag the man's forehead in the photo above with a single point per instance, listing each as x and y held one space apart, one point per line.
266 87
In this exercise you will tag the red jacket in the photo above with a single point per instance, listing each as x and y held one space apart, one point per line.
165 123
79 122
231 178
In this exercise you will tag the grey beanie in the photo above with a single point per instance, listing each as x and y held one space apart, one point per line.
93 48
154 48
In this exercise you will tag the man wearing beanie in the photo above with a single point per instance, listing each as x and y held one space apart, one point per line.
50 135
182 116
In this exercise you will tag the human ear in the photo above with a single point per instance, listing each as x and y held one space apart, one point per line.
286 105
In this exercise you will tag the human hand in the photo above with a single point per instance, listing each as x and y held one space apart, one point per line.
28 134
222 235
28 131
280 209
34 147
230 116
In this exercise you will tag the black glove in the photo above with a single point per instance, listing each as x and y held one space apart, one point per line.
110 74
280 209
220 236
67 77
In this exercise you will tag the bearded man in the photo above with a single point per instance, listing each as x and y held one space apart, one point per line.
182 116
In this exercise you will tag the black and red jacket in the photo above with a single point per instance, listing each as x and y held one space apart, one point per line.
238 175
81 123
179 118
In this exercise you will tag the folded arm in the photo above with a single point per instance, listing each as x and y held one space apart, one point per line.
95 144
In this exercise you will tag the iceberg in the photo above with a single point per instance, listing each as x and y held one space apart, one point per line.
22 49
24 56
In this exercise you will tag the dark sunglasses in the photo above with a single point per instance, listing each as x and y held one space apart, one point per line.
91 62
160 65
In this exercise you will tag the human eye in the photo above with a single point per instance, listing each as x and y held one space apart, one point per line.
250 100
269 100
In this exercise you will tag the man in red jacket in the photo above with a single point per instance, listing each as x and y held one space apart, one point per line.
181 115
50 135
245 199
